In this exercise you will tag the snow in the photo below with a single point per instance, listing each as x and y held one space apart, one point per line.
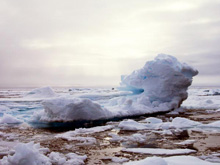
84 131
176 123
73 135
150 161
134 138
70 109
198 99
186 142
26 154
180 122
131 125
3 108
159 151
163 81
33 154
9 119
173 160
152 120
43 92
83 141
68 159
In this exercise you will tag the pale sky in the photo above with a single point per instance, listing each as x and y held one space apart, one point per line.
94 42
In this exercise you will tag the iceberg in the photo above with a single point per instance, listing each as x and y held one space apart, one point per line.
160 86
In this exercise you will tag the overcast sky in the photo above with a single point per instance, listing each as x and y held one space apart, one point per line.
93 42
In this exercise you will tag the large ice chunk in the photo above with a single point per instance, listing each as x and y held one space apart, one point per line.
162 80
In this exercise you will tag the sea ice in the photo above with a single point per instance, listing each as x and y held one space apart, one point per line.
67 109
149 160
134 138
161 85
9 119
131 125
43 92
33 154
26 154
116 159
71 135
68 159
163 80
173 160
159 151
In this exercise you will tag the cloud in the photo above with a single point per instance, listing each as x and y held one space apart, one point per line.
94 42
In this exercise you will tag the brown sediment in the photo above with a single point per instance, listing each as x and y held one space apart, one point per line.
205 143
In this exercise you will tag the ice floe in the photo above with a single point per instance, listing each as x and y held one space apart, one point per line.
173 160
135 138
26 154
176 123
67 109
34 154
44 92
68 159
159 151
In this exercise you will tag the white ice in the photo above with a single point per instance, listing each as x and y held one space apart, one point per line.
34 154
159 151
43 92
173 160
74 135
9 119
161 85
26 154
176 123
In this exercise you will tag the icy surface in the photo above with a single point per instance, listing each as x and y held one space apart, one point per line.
71 135
186 142
177 123
33 154
116 159
68 159
26 154
198 99
159 151
164 82
64 109
131 125
9 119
135 138
173 160
43 92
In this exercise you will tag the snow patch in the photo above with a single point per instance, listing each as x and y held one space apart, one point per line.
9 119
173 160
159 151
43 92
26 154
67 109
